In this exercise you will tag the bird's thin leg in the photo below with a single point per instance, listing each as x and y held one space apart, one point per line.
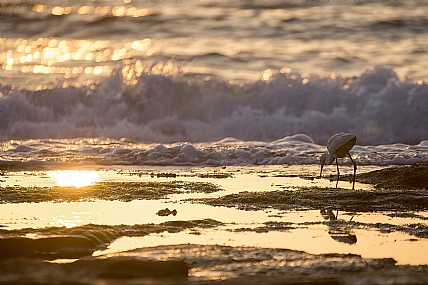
355 171
337 165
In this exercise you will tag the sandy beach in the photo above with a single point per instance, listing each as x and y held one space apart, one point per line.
228 225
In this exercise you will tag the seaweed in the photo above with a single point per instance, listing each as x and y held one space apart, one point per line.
414 176
317 198
121 191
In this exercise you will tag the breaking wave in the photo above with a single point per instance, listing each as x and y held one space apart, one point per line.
376 106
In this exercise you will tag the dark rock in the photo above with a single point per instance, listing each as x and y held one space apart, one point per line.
46 248
128 267
24 271
166 212
414 176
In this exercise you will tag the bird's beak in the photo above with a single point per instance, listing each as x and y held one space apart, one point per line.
321 169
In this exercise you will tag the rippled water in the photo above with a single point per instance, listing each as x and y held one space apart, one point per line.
44 40
199 71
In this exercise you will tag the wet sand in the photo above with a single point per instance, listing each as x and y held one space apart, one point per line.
252 225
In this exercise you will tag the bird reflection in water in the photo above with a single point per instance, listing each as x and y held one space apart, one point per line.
336 232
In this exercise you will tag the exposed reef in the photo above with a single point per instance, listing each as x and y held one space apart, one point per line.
399 177
318 198
121 191
192 264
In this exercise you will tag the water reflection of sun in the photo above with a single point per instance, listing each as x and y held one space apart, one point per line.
76 178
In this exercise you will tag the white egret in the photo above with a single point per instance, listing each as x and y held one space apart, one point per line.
338 146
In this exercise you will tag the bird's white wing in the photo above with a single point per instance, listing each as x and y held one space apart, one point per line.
338 140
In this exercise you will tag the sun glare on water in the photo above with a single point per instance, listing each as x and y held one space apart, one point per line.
76 178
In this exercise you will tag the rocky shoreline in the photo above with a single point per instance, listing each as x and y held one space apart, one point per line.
60 255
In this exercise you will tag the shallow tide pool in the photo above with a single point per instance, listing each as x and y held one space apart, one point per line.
371 235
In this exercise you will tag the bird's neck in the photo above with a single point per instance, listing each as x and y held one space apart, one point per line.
329 158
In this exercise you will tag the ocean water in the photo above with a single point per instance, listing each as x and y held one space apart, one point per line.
213 82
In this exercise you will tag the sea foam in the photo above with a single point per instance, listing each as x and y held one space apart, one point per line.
376 106
297 149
